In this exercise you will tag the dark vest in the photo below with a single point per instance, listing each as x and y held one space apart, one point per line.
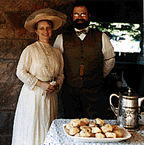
90 51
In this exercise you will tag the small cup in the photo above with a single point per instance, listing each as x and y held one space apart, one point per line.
141 118
53 83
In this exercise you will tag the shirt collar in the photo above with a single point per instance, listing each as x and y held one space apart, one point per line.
87 29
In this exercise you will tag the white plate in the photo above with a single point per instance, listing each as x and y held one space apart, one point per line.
126 135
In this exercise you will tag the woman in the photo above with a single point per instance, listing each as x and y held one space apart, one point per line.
39 67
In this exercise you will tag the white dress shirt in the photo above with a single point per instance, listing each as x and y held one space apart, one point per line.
107 50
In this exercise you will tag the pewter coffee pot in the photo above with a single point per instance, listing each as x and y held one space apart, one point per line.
128 109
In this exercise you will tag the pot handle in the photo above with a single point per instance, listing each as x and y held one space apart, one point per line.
114 109
140 101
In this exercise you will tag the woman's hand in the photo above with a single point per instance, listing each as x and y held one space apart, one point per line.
56 86
50 88
47 86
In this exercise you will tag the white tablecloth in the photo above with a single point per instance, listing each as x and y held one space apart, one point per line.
56 135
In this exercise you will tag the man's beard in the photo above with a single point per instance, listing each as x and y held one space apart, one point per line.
80 25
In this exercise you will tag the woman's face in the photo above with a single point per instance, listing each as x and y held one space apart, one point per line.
44 30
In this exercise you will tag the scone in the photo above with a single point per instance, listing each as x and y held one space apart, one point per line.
99 121
77 135
106 128
74 131
86 128
115 127
92 124
118 133
99 135
68 126
75 122
85 120
82 123
85 134
96 130
110 135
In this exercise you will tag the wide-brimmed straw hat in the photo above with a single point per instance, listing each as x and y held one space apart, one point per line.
56 17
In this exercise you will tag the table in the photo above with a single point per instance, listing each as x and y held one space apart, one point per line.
56 135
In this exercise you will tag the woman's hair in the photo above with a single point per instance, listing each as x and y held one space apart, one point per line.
48 21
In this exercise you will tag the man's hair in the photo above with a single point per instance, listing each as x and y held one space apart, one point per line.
80 4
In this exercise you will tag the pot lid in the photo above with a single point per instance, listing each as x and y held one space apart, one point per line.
129 92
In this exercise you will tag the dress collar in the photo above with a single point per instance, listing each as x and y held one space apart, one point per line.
46 47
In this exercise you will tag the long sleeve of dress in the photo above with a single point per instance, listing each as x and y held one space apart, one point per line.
23 69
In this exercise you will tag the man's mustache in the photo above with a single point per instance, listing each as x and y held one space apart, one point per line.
77 20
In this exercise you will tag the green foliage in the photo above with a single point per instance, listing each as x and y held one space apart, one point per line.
119 29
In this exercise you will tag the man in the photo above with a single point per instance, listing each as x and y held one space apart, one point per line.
88 58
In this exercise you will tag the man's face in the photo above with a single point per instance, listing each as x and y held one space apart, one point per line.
80 17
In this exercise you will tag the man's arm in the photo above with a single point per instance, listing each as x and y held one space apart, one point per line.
108 66
109 55
59 43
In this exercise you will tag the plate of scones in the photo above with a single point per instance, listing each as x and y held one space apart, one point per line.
94 131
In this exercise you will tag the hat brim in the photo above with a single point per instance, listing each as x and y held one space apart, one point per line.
29 24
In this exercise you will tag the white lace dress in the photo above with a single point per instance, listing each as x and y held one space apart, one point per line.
36 109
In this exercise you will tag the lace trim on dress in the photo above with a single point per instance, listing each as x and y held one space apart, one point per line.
31 83
46 50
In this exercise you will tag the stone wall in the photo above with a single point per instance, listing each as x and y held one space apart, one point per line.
13 39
